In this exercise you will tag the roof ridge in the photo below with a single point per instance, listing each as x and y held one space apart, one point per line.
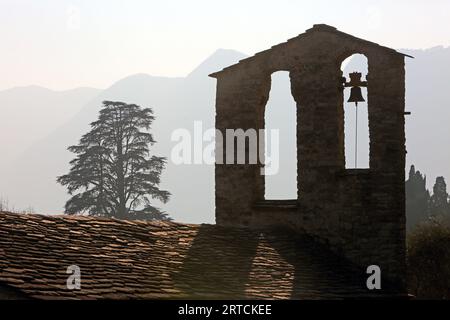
315 28
66 217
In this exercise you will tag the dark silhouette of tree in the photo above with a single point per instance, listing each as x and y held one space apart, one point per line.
439 205
417 198
113 173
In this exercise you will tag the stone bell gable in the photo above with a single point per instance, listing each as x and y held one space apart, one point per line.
359 213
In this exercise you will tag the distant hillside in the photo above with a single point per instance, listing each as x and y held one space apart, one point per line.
31 113
428 98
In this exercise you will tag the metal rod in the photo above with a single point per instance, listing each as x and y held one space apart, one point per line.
356 136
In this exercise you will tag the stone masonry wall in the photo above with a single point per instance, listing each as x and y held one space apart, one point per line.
359 213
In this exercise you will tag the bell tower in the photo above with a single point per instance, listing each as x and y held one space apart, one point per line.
358 213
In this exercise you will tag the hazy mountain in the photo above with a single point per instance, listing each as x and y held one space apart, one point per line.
178 102
428 98
31 113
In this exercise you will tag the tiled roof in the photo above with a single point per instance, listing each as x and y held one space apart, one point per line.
150 260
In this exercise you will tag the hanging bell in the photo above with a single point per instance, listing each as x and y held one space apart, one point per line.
356 95
355 83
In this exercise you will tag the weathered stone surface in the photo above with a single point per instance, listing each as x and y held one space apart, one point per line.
154 260
360 213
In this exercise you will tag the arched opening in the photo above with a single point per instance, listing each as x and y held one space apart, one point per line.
356 117
280 116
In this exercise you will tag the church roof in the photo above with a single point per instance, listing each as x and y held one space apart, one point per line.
165 260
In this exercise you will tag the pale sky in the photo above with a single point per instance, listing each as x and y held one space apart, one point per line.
63 44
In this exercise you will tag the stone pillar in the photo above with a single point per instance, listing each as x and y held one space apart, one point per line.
240 104
317 91
387 162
